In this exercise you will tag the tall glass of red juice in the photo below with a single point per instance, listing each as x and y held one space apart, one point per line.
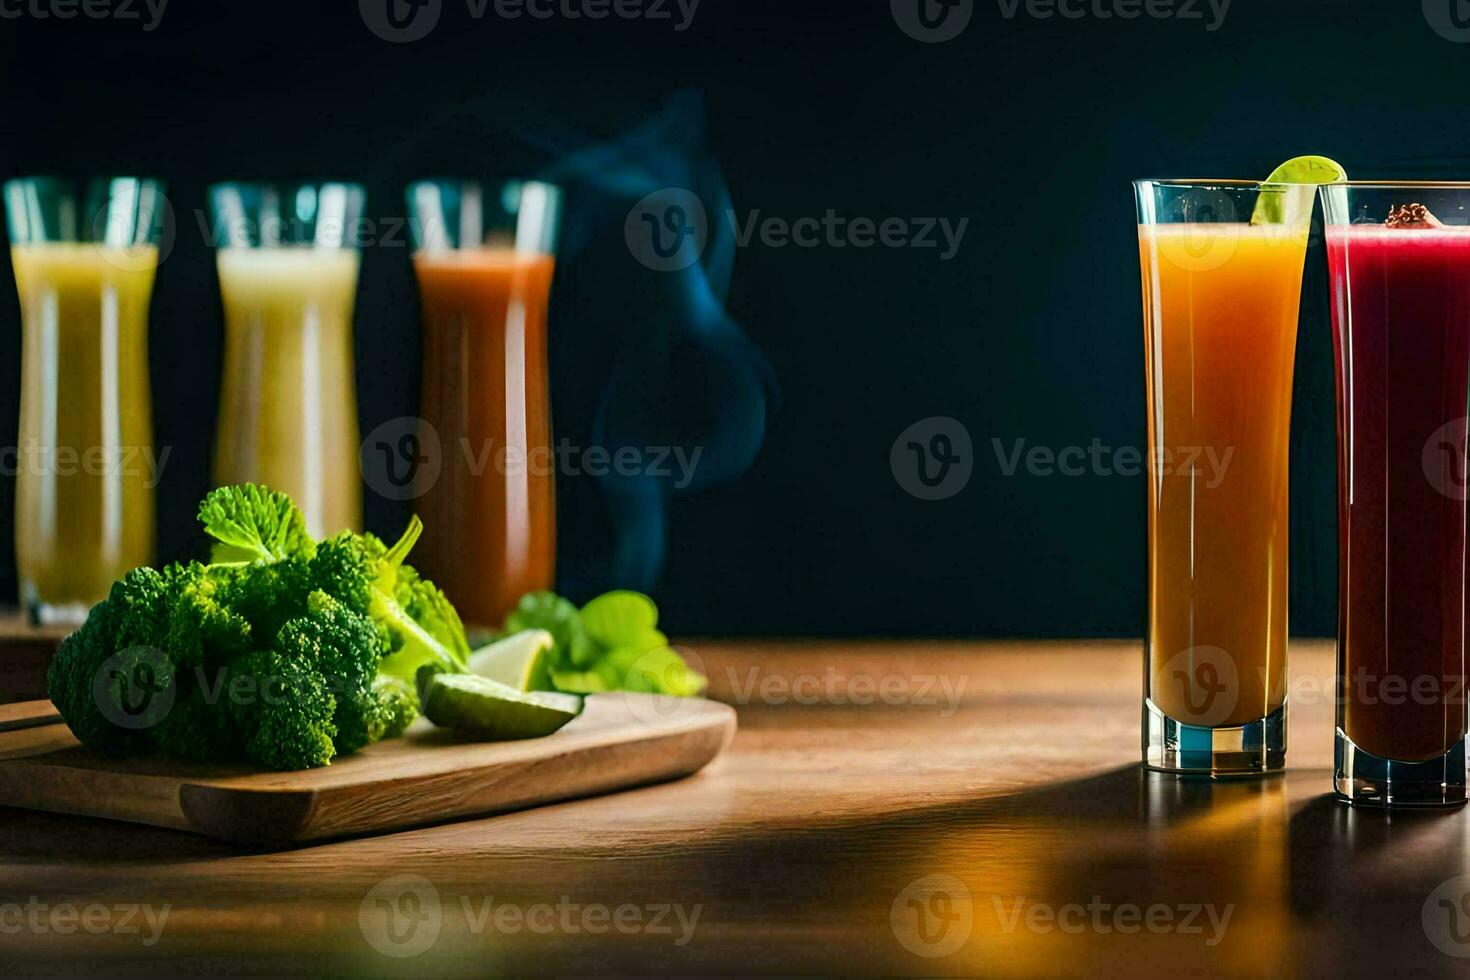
484 258
1399 258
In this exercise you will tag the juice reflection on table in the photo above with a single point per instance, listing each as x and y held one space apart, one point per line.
84 498
484 270
288 409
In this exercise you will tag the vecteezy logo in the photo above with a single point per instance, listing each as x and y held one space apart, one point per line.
933 458
400 21
933 916
402 458
135 688
667 230
401 916
1206 681
1450 19
1187 237
1446 917
933 21
1444 459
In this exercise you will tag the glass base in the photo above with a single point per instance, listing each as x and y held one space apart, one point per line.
1364 779
1246 750
50 613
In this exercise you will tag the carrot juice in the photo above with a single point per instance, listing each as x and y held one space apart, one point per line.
1220 318
491 512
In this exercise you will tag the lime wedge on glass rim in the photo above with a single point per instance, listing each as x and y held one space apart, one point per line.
1271 206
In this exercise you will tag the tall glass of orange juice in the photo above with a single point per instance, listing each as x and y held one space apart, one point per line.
85 254
288 265
484 258
1221 288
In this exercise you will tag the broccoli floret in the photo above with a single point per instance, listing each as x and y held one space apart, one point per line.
284 713
112 668
345 649
398 705
69 677
268 594
200 727
203 627
140 607
358 571
385 711
342 643
253 523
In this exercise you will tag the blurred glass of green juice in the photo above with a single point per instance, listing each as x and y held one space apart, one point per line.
288 410
85 254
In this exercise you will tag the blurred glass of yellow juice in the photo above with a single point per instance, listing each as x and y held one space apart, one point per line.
288 409
85 460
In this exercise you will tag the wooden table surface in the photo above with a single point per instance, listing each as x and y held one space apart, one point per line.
993 788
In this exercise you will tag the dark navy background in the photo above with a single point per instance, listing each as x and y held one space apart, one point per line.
1031 128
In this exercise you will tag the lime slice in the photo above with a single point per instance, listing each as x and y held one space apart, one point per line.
1283 204
519 661
494 712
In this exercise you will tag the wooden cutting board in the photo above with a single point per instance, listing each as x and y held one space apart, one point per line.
27 714
428 776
